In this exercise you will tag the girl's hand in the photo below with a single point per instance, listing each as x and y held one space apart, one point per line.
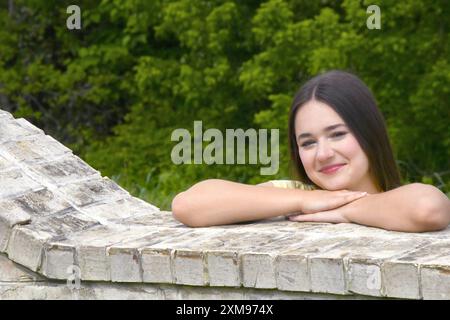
335 215
322 200
331 216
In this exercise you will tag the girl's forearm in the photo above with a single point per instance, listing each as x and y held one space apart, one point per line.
215 202
410 208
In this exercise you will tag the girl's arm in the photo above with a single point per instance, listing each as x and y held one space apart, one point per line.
215 202
414 207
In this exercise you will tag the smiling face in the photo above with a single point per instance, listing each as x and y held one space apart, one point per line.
323 139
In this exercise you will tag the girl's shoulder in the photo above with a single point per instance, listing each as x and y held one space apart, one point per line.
292 184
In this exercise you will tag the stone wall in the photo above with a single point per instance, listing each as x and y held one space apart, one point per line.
60 219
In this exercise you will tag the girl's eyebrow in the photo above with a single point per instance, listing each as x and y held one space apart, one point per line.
329 128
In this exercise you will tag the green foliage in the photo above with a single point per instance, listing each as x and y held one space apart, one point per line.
116 89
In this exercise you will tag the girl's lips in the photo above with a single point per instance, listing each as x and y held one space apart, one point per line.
332 169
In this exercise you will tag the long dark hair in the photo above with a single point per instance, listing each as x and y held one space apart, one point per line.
352 100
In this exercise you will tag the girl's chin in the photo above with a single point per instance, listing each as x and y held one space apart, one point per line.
334 186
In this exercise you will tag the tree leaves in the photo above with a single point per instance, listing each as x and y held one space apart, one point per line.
138 69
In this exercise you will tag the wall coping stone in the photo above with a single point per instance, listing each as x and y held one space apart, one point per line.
57 212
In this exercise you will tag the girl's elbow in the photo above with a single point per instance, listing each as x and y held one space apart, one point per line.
435 221
179 208
182 211
434 213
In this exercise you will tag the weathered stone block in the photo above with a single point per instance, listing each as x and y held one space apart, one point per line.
16 129
328 275
26 243
420 265
362 257
93 262
63 171
63 223
364 277
15 183
125 264
5 164
185 238
156 265
31 149
223 268
190 268
5 233
293 273
434 262
26 246
35 204
115 211
11 272
10 216
158 218
159 253
125 256
92 247
258 270
435 282
92 255
29 126
56 261
296 258
90 191
401 280
5 114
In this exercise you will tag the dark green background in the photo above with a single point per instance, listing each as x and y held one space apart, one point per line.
138 69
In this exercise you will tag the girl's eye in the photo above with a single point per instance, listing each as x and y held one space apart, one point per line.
334 135
306 143
338 134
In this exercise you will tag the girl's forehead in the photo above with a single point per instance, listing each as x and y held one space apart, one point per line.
316 115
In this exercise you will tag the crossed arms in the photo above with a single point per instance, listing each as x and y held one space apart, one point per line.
414 207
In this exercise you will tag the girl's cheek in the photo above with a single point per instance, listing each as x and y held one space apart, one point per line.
350 146
306 159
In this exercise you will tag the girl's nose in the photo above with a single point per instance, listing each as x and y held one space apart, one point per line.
324 151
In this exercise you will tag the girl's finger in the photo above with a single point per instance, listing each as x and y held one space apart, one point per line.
313 217
343 200
325 216
303 217
354 196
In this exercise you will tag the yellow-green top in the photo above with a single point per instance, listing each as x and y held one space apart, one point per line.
292 184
